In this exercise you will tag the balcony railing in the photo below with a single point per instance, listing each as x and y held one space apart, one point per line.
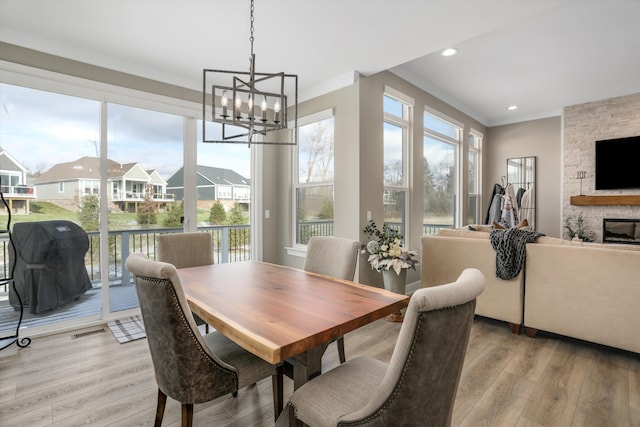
139 197
306 230
230 244
22 191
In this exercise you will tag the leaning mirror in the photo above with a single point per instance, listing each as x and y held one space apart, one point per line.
521 175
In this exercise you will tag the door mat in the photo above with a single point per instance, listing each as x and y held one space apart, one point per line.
128 329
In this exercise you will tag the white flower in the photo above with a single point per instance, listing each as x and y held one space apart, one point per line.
386 251
373 247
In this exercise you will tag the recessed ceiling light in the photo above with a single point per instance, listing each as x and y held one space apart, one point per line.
449 52
512 107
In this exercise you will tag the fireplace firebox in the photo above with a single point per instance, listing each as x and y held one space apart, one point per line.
621 231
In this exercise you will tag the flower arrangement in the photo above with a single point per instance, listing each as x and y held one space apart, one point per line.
385 249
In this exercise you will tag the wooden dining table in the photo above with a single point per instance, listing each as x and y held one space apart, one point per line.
279 313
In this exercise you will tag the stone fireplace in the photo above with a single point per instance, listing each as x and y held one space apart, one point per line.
584 124
621 231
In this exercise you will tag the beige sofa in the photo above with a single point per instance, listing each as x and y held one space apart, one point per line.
588 291
446 255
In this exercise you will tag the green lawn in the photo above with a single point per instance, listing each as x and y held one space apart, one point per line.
45 211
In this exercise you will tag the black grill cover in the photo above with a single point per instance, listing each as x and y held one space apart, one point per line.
50 269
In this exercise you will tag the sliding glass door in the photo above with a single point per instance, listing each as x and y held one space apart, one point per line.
118 174
144 151
50 173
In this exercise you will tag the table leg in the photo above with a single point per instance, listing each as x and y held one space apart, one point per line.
306 366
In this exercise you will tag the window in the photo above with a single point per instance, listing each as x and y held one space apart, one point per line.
9 179
142 144
313 185
473 183
396 145
224 192
441 145
53 138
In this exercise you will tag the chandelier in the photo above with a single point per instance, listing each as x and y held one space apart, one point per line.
248 104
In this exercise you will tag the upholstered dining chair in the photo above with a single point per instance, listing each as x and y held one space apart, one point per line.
186 250
189 367
418 386
335 257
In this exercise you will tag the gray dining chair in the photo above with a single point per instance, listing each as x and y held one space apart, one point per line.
186 250
189 367
335 257
418 386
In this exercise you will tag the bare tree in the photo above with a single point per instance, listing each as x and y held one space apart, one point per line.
393 173
318 151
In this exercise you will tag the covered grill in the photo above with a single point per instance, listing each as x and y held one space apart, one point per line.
49 268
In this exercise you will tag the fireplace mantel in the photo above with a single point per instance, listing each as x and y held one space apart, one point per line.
604 200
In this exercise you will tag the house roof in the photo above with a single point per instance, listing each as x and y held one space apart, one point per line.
8 162
83 168
221 176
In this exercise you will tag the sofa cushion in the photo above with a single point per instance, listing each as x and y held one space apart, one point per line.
466 233
459 232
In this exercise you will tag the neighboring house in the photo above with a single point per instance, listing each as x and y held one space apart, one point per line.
13 184
213 183
64 183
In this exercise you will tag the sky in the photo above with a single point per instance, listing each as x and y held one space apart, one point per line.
41 129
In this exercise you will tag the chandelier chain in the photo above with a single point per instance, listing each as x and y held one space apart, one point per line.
251 26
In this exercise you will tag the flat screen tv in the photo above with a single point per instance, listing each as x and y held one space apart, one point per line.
618 163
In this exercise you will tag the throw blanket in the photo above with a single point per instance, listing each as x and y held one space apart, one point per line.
509 245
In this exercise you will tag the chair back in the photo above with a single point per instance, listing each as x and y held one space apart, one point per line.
181 359
419 387
332 256
185 249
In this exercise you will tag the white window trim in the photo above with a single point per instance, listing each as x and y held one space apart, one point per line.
458 145
407 153
478 192
296 249
402 97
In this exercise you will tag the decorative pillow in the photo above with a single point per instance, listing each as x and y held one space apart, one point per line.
522 224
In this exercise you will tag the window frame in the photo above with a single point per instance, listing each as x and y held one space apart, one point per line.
477 192
298 248
406 124
458 143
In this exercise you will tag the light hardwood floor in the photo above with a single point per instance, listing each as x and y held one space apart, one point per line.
508 380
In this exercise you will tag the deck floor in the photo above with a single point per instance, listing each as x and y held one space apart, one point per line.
121 297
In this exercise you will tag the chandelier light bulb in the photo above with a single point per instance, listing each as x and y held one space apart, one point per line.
224 101
263 109
276 110
238 107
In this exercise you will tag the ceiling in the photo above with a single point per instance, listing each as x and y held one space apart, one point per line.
540 55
